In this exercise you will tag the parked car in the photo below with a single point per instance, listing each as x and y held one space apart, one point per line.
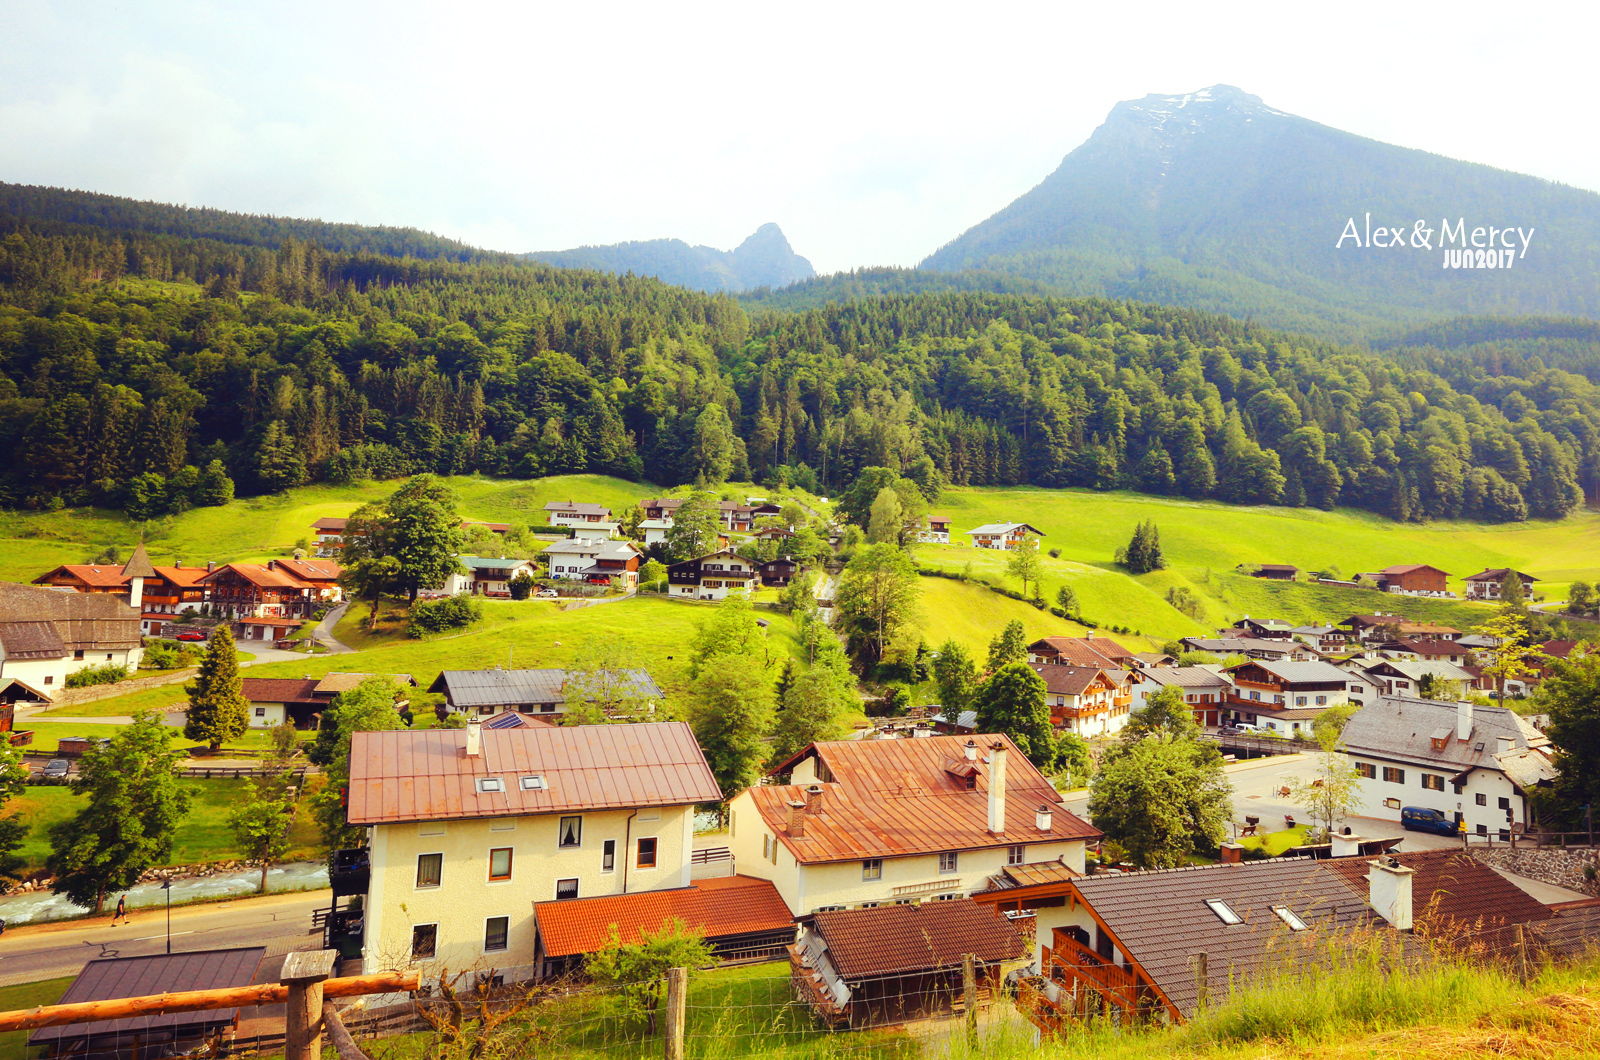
1423 819
1241 728
190 635
546 594
56 768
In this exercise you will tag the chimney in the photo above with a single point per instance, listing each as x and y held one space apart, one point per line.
1041 817
211 565
997 788
1346 845
1463 721
1504 744
797 818
474 738
971 750
1088 635
1389 892
1232 853
136 593
814 798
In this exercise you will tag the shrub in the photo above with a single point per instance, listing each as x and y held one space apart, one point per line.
1055 553
437 616
521 586
108 674
168 655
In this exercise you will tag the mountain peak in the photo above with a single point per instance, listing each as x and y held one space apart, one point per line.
1190 111
764 259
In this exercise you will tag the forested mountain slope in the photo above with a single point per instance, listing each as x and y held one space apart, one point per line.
765 259
127 360
1217 201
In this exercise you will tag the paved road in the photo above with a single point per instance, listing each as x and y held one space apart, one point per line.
47 951
323 634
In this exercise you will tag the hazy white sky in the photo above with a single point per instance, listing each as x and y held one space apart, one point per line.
872 133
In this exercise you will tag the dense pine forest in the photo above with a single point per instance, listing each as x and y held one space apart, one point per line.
139 368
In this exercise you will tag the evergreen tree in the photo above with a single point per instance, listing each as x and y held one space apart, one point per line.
1143 553
1155 471
956 678
215 488
815 704
278 464
218 710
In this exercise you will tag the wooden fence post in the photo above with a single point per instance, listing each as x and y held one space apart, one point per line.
969 996
1202 979
303 973
677 1010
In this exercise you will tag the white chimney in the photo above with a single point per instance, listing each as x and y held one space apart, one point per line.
1389 892
997 788
1041 817
474 738
1504 744
136 593
1463 721
1346 845
971 750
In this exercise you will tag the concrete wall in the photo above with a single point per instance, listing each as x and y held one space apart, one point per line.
465 897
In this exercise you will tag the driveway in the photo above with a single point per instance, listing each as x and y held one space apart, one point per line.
323 634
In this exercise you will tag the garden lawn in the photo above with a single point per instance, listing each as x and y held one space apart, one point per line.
202 837
47 735
14 1044
1275 843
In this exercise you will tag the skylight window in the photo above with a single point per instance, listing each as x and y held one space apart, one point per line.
1224 913
488 784
1288 916
534 783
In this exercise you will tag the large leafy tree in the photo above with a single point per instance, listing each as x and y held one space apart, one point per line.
1571 694
639 969
602 684
218 710
1161 797
731 713
405 543
956 677
816 702
1164 713
1012 702
731 629
1025 565
695 528
13 829
1512 657
260 824
369 707
134 804
1331 791
876 600
1010 645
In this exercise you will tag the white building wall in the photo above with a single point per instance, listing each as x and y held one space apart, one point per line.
1384 799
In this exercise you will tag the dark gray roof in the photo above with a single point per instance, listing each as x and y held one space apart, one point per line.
92 621
117 977
506 688
31 640
1302 673
1186 677
1401 729
1162 920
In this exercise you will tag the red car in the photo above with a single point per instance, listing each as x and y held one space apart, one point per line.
190 636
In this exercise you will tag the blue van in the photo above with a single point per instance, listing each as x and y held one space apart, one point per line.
1422 819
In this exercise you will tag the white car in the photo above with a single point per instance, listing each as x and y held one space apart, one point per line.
546 594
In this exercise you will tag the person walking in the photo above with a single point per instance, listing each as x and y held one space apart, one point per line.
122 911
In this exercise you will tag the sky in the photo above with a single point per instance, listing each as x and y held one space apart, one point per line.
872 133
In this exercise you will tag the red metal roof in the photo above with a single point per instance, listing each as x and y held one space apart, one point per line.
890 798
329 523
730 905
183 576
899 939
311 570
103 575
424 775
260 574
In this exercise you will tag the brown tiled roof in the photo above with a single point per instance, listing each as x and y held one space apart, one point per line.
105 576
138 565
729 905
1060 680
890 798
182 576
1084 651
92 621
1558 649
311 570
162 973
898 939
334 683
260 574
1451 886
279 689
1407 568
31 640
1423 627
1499 574
329 523
1570 933
425 774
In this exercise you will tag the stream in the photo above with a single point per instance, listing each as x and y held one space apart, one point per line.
39 906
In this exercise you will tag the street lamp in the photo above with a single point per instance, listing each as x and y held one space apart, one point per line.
166 885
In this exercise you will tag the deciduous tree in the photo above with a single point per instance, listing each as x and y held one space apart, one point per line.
1025 565
260 824
730 711
1012 702
1331 791
1010 645
876 600
1161 797
956 678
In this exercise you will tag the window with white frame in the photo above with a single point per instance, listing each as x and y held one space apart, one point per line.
1016 855
947 861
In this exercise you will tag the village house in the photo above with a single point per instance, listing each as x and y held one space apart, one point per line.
259 590
1281 572
1404 677
1489 584
961 807
1383 626
166 590
1261 629
1325 639
585 520
937 532
542 693
301 700
469 828
86 578
321 575
1088 650
1129 946
1445 651
1001 535
735 517
713 577
594 560
488 576
1284 696
1266 650
329 535
1203 689
1416 579
1087 700
776 573
1450 757
46 634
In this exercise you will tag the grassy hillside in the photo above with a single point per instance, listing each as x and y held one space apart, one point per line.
971 615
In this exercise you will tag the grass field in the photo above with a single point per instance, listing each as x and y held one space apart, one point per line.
971 615
14 1044
203 836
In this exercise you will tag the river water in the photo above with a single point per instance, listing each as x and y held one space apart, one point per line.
38 906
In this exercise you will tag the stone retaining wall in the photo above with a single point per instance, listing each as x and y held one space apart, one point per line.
1560 867
68 697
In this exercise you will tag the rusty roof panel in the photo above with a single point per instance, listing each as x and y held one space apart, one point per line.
901 939
420 775
731 905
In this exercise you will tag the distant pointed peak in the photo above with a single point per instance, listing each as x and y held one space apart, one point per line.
1194 108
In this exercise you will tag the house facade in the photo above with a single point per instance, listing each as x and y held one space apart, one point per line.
962 807
594 561
1001 535
937 531
541 693
588 520
489 576
713 577
1204 690
1088 650
329 535
1087 700
1489 584
46 634
1284 696
259 590
1415 578
469 828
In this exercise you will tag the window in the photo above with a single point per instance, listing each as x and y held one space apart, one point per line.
1482 799
566 889
905 901
829 908
948 896
870 905
500 863
424 941
261 712
1322 701
947 861
647 854
494 933
1483 829
1288 916
608 856
872 869
1505 803
1367 769
78 654
1015 855
570 834
429 867
766 847
488 784
1224 913
1433 782
1299 701
1393 775
49 679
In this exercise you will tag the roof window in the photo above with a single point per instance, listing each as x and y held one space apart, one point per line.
1289 917
1224 913
534 783
487 784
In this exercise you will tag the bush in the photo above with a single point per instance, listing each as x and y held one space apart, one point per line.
521 586
168 655
437 616
108 674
